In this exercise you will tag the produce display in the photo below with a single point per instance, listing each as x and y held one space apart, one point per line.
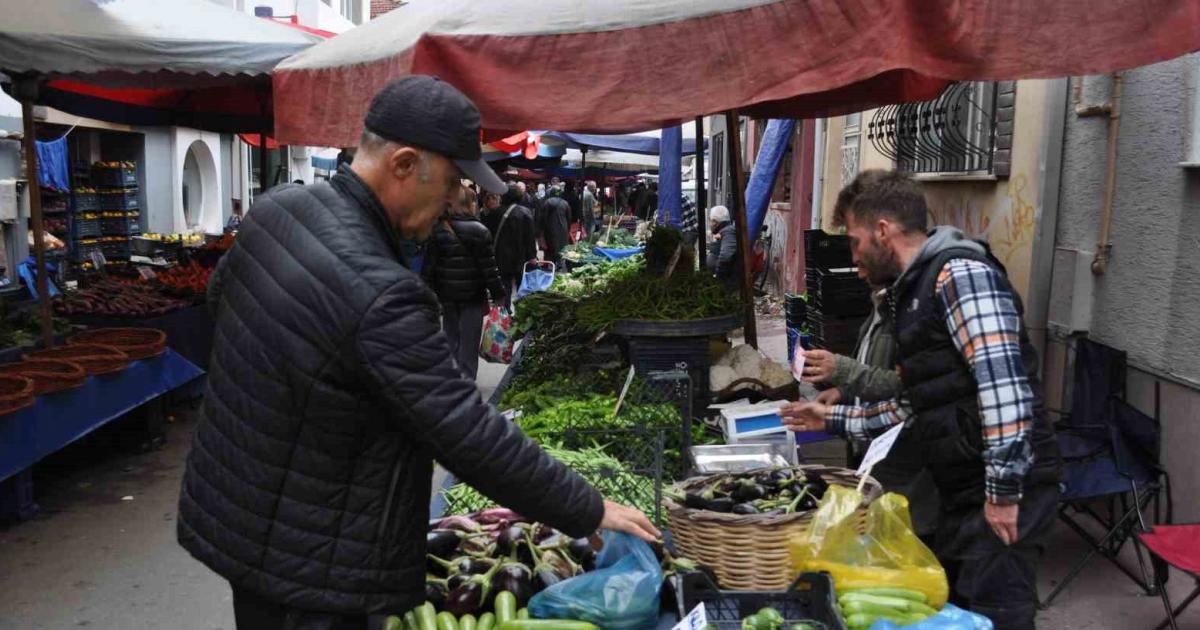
22 327
188 280
770 619
186 239
778 491
117 298
864 606
747 362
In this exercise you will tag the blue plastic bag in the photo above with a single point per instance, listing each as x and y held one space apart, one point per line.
621 594
951 617
537 279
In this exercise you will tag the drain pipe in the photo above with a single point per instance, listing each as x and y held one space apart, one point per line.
1113 110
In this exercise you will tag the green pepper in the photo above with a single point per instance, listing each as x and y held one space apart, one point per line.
467 622
523 613
506 607
393 623
546 624
487 621
447 621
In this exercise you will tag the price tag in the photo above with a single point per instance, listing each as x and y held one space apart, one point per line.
147 273
97 259
879 449
695 620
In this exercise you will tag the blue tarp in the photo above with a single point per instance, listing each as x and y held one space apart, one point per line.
670 191
325 164
58 419
52 164
617 254
766 168
642 145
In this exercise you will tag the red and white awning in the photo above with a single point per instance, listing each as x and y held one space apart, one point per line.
626 65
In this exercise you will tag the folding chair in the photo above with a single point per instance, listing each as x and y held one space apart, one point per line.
1110 456
1175 545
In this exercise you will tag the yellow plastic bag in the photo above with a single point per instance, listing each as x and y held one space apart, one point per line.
888 553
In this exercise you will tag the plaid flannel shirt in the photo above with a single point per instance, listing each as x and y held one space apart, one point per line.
689 222
983 322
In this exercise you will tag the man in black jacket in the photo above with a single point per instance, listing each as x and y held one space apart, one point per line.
514 234
331 390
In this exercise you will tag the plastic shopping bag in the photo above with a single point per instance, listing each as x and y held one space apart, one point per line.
621 594
537 279
950 618
496 345
885 553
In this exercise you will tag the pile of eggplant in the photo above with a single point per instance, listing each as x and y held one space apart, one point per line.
777 491
472 558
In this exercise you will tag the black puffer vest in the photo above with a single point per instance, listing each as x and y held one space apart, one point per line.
942 390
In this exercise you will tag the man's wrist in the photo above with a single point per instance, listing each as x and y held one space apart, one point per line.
1003 491
834 423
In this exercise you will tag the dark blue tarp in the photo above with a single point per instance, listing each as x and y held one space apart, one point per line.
642 145
52 164
766 168
670 191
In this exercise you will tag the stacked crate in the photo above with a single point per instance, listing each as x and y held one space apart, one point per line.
838 301
120 216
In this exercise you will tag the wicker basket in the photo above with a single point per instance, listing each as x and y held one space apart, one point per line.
95 359
48 375
16 393
136 343
749 552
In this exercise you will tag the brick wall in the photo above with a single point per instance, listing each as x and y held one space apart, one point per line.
379 7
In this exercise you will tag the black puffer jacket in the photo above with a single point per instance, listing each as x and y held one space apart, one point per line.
330 392
463 265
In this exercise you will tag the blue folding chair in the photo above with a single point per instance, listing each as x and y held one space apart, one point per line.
1110 454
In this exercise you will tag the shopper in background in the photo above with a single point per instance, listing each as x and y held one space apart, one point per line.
331 389
970 392
556 217
689 221
514 236
591 209
722 251
463 274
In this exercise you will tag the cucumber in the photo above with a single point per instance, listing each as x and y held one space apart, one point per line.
890 591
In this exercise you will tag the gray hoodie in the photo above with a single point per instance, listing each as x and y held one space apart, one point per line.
940 239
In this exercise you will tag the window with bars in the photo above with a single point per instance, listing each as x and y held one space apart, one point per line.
967 129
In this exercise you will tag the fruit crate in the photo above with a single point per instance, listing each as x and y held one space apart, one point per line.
113 250
811 600
82 249
82 228
119 199
115 175
827 251
121 226
85 201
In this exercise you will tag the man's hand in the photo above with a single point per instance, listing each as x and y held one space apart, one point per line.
620 518
831 396
804 416
1003 519
818 366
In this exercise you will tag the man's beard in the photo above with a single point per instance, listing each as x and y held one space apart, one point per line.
881 264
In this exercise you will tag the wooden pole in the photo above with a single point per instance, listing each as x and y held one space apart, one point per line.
738 212
35 211
701 197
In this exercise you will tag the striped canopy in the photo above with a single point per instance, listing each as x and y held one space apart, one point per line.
626 65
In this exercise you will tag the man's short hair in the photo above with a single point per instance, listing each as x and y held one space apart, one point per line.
878 194
513 194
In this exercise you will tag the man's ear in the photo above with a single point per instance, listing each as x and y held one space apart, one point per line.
403 161
883 229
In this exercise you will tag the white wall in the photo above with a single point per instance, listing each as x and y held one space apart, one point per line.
206 147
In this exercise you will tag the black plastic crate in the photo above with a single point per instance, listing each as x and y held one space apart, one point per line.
650 354
122 175
81 250
84 228
120 199
120 226
85 202
115 250
827 251
811 600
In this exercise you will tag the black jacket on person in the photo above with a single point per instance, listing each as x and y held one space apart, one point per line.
331 390
556 216
462 267
515 240
722 254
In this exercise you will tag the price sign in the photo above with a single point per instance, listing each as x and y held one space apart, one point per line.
147 273
97 259
695 620
878 450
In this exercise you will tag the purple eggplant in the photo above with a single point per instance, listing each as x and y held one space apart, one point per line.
465 600
436 592
441 543
515 578
509 538
581 550
455 581
542 532
468 565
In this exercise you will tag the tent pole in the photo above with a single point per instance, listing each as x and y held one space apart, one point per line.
701 197
262 162
35 210
738 212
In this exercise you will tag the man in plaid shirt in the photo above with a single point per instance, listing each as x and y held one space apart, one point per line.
970 395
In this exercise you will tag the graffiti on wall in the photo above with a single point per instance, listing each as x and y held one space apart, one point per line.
1006 219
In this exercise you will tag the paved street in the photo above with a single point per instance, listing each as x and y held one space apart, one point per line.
94 560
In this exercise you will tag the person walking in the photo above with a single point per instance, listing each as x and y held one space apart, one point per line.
556 216
464 275
592 211
331 389
514 237
970 392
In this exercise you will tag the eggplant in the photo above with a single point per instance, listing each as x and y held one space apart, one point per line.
807 503
542 532
441 543
469 565
749 492
781 477
745 508
583 553
455 581
517 579
467 599
816 485
723 504
695 501
509 538
436 592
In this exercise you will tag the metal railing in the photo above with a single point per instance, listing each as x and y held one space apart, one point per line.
953 133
